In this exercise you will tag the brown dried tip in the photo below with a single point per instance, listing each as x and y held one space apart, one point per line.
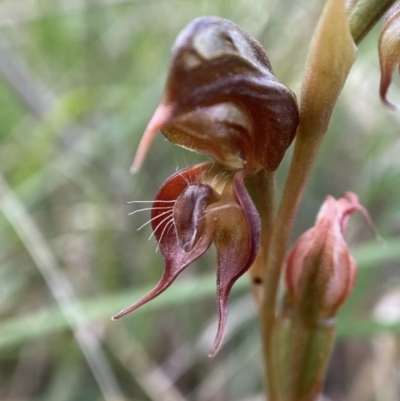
389 52
221 99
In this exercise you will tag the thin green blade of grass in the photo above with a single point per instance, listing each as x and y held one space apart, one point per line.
14 331
26 328
349 327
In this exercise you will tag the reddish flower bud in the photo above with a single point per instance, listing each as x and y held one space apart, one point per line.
221 99
320 272
198 206
389 51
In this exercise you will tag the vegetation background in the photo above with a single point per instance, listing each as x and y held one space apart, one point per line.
79 80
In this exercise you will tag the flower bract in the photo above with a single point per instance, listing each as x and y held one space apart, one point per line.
320 271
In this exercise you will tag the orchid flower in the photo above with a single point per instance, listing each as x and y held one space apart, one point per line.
222 100
194 208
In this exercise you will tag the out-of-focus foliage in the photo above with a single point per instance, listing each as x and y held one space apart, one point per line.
79 81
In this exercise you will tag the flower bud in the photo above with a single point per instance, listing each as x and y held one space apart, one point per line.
320 271
389 51
221 99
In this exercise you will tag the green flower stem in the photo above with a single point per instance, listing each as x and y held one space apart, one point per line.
304 156
304 349
364 14
314 123
261 188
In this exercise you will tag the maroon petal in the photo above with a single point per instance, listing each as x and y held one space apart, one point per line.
176 259
222 99
216 63
237 239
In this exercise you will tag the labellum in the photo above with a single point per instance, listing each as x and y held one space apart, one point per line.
207 205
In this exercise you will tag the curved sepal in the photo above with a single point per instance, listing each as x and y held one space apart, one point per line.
237 239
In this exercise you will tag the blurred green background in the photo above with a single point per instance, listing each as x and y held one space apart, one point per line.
79 80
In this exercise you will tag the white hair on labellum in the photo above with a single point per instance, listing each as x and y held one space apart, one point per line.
153 218
159 224
152 201
169 225
150 208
